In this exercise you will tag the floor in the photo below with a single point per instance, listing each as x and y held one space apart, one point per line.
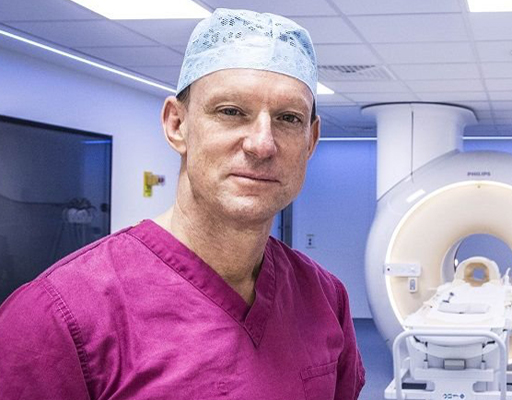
376 357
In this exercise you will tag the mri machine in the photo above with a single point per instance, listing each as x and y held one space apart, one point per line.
447 321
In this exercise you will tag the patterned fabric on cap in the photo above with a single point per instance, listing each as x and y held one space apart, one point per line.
247 39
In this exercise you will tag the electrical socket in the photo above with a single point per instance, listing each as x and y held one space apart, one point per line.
310 241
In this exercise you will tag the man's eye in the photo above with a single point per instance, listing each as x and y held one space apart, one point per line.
290 118
230 111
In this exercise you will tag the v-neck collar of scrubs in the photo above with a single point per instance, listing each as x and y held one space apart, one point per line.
199 274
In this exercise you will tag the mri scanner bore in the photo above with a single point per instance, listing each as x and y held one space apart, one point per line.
449 327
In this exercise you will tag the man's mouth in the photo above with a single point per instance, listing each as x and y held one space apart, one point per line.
257 177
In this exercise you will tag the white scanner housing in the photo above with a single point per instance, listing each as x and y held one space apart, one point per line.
431 196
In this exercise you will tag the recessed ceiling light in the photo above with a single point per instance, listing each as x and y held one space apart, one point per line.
147 9
322 89
490 5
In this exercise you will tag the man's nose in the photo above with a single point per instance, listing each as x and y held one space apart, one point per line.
259 140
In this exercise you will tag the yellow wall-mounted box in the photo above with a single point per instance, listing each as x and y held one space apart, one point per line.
151 180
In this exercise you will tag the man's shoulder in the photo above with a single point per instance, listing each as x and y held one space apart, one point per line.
96 257
85 284
97 274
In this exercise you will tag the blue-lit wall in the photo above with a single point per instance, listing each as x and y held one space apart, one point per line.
337 206
36 89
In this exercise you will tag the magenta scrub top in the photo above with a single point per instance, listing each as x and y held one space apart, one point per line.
139 316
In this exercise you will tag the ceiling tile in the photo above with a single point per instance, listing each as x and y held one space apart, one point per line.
326 118
498 85
334 99
482 125
412 28
476 130
357 7
349 119
435 71
486 121
453 96
355 128
342 113
503 121
328 124
179 48
281 7
83 33
453 85
359 128
135 56
328 30
494 51
480 128
421 53
47 10
500 96
476 105
169 32
502 105
169 74
331 130
505 130
503 113
345 54
366 86
491 26
380 97
497 70
486 114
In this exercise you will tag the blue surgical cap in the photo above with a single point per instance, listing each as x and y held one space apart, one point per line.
247 39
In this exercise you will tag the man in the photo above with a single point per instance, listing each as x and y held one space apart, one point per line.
201 303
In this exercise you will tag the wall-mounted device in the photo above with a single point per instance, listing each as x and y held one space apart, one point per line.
151 180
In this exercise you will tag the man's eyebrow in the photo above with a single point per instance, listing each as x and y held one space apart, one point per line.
299 102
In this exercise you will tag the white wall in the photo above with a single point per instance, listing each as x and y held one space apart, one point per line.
37 90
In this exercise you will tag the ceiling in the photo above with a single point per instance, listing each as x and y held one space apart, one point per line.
369 51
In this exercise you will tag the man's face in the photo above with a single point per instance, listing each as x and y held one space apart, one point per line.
247 138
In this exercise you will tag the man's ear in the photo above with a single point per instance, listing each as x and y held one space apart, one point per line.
315 136
173 117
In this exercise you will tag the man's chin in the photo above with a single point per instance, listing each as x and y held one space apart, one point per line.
248 211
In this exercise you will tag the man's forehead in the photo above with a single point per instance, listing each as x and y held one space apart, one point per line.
247 84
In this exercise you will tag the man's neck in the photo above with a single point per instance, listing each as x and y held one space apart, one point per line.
235 253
